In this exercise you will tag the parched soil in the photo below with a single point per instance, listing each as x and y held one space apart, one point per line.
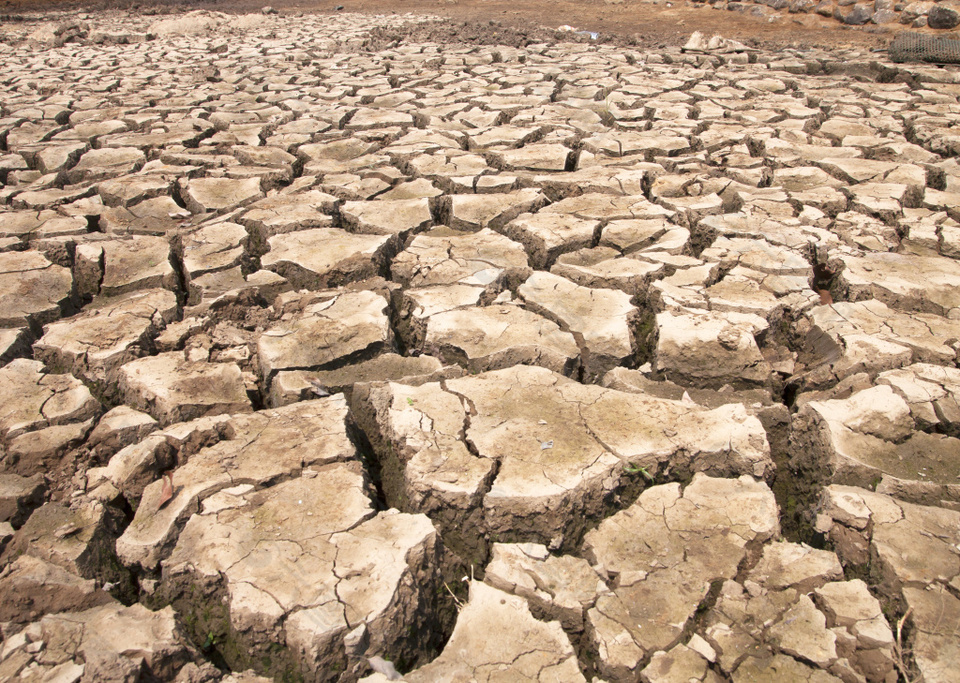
363 345
503 22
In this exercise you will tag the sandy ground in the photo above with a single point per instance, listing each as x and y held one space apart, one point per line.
646 23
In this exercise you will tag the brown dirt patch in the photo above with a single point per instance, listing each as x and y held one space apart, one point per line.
513 23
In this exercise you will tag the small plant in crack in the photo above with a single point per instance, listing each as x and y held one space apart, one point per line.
638 469
902 655
456 600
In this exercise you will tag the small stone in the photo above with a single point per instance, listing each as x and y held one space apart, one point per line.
943 16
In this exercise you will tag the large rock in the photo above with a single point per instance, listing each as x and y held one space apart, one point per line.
942 16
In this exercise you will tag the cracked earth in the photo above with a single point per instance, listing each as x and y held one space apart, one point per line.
325 359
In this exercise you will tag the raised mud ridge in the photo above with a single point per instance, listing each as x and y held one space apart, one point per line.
329 360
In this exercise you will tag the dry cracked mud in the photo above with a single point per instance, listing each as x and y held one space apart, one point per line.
327 357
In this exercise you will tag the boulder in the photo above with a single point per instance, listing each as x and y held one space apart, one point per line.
943 16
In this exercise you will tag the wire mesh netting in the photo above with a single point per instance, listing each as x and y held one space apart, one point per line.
918 47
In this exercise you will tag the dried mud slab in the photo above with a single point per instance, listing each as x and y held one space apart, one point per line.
868 336
114 267
302 314
876 439
173 389
496 630
255 449
325 257
665 551
33 290
602 320
305 563
331 329
107 334
110 642
496 337
912 550
524 454
43 415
